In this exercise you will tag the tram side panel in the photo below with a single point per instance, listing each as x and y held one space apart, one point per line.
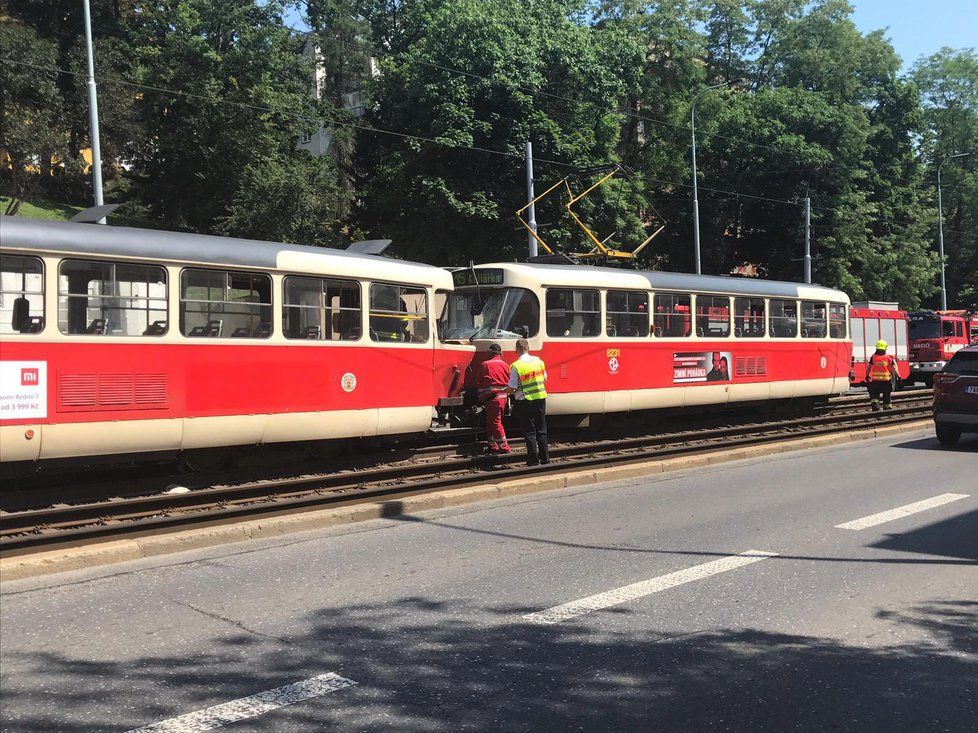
103 398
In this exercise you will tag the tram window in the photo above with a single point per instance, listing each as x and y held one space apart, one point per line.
749 317
111 298
813 320
712 316
573 313
21 294
672 315
223 304
628 313
837 321
322 309
398 313
783 318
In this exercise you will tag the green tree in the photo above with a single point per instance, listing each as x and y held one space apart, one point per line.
242 98
948 82
532 71
31 132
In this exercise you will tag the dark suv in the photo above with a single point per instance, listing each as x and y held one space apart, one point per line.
956 396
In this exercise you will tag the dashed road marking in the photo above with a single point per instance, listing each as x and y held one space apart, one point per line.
646 587
901 511
249 707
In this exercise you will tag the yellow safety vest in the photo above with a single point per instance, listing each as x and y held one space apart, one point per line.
531 373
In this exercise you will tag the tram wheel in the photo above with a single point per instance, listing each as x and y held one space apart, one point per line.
204 460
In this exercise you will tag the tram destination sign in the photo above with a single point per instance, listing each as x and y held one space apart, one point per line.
486 277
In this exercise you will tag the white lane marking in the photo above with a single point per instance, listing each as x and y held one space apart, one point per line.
645 587
249 707
901 511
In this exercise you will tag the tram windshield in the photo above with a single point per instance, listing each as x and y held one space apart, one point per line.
925 329
490 313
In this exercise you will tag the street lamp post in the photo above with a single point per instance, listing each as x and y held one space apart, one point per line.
696 201
940 224
93 111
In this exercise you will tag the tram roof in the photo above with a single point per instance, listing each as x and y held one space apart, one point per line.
159 245
607 277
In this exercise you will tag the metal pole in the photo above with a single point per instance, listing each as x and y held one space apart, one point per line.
808 240
940 236
93 111
940 225
696 199
529 197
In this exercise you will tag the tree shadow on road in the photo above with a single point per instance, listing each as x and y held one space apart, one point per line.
953 537
422 665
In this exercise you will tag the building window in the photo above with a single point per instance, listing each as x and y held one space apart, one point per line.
813 323
672 317
837 320
398 313
111 298
573 313
712 316
21 294
749 317
223 304
783 318
322 309
628 313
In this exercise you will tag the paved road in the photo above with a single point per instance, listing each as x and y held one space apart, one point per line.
852 629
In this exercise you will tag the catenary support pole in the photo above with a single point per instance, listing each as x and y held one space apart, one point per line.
940 237
93 111
532 221
808 240
696 198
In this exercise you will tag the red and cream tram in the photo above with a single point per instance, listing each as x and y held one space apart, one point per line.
120 341
618 340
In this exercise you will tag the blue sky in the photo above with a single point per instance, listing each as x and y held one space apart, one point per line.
920 27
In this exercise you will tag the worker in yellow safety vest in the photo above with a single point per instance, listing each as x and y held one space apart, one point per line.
880 372
528 385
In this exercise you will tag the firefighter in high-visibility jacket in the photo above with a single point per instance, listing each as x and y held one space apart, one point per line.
880 372
528 385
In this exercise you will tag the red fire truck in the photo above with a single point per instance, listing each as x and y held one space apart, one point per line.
871 321
934 337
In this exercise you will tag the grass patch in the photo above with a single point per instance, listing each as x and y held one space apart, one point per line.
41 209
53 211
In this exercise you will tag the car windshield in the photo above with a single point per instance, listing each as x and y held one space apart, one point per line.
502 313
964 363
930 329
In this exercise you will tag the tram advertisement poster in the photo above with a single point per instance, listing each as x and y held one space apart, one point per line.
23 390
701 366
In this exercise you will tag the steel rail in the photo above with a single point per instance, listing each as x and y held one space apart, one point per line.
24 531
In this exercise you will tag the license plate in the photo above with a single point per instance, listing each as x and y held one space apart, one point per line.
971 390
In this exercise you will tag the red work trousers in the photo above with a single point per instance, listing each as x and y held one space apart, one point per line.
494 420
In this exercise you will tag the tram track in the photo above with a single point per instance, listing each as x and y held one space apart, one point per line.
435 468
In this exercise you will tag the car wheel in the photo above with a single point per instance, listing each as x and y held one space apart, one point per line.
947 435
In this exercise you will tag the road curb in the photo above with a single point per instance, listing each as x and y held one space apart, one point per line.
115 551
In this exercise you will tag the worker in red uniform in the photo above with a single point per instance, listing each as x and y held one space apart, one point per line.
493 378
880 370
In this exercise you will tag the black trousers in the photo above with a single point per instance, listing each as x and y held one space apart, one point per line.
532 415
880 389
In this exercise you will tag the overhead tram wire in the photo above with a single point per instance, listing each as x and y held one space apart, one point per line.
536 92
295 115
377 130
